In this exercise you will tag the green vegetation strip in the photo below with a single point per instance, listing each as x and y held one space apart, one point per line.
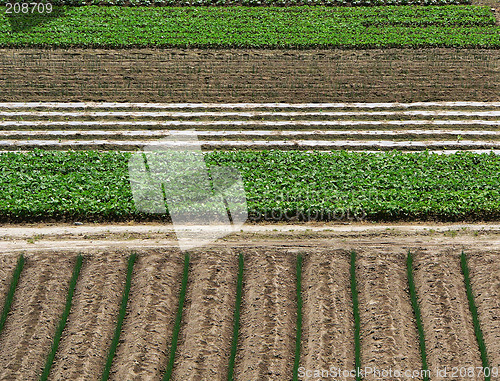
357 322
12 289
121 317
298 337
418 317
64 319
93 186
475 318
236 323
178 319
255 27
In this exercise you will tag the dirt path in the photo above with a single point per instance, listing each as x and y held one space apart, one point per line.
86 339
389 337
7 266
328 336
205 339
268 317
447 321
147 329
37 308
485 280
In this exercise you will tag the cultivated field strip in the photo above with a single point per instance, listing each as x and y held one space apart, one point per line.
147 329
266 341
333 126
89 330
327 317
388 331
205 337
38 304
7 266
449 331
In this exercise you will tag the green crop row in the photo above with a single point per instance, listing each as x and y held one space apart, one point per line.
263 27
12 289
418 316
475 317
64 319
236 322
178 319
121 317
93 186
163 3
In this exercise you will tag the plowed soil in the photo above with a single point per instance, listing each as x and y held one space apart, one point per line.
327 313
147 330
85 343
205 340
447 321
7 266
266 342
485 281
268 317
243 75
35 313
388 330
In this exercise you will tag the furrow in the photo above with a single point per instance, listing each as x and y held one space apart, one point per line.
328 336
485 281
268 317
205 338
388 331
38 304
449 332
7 266
89 330
146 333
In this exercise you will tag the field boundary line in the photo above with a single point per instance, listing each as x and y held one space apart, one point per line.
242 105
63 320
121 317
236 322
417 314
178 319
12 289
475 316
298 335
357 321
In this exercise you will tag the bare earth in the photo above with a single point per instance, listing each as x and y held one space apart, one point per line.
266 341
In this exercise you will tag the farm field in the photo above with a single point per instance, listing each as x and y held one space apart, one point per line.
267 329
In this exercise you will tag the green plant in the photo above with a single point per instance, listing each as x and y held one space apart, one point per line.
236 323
64 319
121 317
357 321
298 337
475 315
178 320
12 289
416 312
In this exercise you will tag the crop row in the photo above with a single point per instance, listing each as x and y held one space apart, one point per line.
42 185
270 27
159 3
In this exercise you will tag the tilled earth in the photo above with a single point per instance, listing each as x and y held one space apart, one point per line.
266 342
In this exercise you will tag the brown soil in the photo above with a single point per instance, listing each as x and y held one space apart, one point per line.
388 330
450 338
90 327
7 266
231 75
268 317
205 339
485 280
38 304
147 329
327 313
